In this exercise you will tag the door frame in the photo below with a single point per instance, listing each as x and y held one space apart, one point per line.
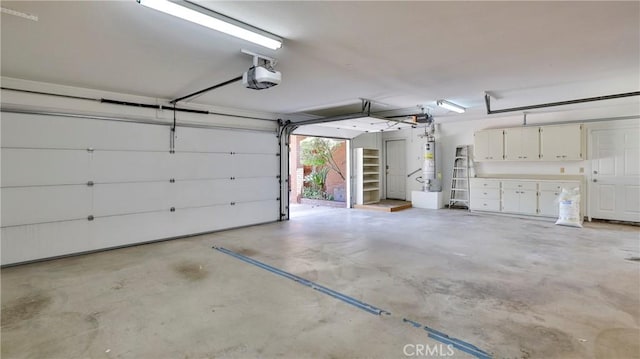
404 141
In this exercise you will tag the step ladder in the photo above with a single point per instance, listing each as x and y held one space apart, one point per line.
460 179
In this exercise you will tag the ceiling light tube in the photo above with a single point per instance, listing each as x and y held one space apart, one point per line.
213 20
450 106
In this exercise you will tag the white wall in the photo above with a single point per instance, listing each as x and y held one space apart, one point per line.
368 140
452 133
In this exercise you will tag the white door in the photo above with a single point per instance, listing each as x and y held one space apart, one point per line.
396 169
615 178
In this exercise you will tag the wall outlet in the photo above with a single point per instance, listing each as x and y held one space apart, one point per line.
581 169
561 169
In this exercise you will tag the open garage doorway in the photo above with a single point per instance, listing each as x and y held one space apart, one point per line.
318 171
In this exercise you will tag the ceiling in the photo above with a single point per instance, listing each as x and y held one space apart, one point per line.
399 54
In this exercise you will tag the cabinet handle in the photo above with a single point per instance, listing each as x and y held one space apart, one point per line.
524 157
558 156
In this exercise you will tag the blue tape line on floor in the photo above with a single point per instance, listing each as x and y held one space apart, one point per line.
432 333
345 298
456 343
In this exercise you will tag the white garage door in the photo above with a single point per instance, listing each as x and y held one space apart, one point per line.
71 185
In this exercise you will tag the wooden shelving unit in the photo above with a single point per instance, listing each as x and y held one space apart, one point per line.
367 175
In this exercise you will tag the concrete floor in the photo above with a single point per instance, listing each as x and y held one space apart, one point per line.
516 288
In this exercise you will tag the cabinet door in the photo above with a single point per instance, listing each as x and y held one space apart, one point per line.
547 205
496 145
530 143
513 144
521 144
511 200
528 202
561 143
481 146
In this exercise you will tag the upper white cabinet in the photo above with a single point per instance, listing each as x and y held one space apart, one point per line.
540 143
488 145
561 142
522 144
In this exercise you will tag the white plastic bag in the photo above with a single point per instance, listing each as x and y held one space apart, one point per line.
569 202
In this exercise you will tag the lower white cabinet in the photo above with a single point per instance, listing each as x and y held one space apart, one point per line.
526 197
520 197
485 195
548 197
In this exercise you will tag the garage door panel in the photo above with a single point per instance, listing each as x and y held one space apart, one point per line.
246 165
254 212
107 232
46 172
203 219
35 167
203 193
113 135
125 166
255 142
28 205
23 130
202 165
214 140
122 198
204 140
252 189
26 243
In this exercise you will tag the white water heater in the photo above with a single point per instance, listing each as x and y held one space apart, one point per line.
431 179
429 165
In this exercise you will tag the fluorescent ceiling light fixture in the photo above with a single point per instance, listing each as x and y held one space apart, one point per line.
450 106
6 10
212 20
